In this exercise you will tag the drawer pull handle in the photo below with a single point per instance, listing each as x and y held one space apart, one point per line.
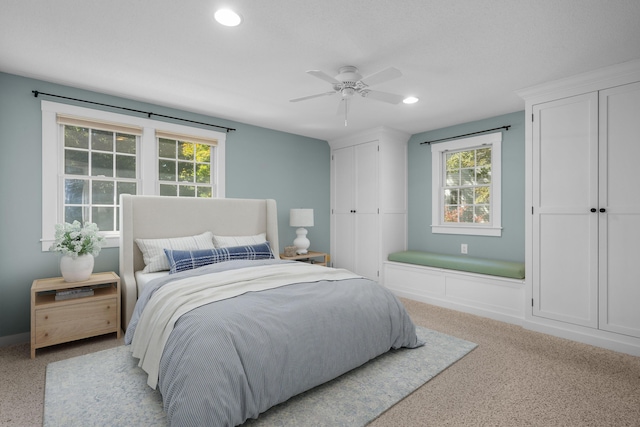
108 322
46 334
46 317
108 307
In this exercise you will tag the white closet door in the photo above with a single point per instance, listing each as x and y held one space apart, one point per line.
565 190
620 197
343 191
367 257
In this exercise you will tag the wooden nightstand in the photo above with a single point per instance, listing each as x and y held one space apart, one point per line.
58 321
310 257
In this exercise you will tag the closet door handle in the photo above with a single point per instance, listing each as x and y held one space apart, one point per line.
593 209
603 210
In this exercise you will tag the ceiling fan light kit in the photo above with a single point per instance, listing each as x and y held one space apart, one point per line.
349 82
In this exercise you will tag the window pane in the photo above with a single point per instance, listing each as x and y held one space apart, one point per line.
101 140
483 175
102 193
451 197
187 191
203 173
76 162
468 176
482 196
483 156
167 148
453 161
167 170
467 159
125 166
204 191
185 172
76 137
203 153
453 178
466 214
451 213
125 143
482 214
168 190
466 196
125 188
186 150
104 217
75 213
76 191
101 164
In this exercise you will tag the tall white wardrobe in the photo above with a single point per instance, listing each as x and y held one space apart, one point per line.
368 199
583 203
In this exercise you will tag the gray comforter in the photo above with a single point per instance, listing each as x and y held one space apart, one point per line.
231 360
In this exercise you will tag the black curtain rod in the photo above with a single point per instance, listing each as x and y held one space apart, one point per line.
149 114
466 134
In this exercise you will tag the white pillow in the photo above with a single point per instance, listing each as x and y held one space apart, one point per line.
228 241
153 249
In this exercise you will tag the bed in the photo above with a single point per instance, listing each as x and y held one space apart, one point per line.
227 339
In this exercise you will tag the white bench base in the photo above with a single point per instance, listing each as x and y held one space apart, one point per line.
498 298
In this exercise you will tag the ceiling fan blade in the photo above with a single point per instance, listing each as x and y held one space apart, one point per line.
391 98
323 76
382 76
304 98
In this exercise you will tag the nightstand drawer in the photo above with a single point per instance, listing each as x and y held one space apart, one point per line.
71 322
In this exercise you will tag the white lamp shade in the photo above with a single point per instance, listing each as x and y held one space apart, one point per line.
301 217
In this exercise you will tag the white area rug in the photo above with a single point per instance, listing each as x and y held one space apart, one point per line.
108 388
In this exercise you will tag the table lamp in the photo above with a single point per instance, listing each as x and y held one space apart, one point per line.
301 218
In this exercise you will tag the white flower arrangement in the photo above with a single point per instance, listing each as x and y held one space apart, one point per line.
75 240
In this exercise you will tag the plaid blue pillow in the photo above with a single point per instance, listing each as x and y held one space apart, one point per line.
188 260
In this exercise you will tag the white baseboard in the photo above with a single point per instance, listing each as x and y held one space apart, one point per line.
494 297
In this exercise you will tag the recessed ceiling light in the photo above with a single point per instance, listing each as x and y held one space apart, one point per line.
228 17
410 100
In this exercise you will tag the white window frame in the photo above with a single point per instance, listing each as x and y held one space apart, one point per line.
438 155
146 168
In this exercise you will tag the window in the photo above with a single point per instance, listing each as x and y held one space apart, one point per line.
91 157
99 164
184 165
466 186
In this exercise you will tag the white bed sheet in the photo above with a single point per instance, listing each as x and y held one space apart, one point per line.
143 278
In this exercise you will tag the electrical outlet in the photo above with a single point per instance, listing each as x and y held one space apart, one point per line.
463 248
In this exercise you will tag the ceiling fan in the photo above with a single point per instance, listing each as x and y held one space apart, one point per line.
350 82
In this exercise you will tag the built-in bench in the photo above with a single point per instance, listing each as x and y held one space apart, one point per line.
490 288
514 270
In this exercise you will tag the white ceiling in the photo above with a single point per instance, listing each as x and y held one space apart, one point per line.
463 58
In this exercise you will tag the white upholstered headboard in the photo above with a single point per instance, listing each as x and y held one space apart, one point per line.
153 217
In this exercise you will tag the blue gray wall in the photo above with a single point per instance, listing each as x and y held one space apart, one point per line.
260 163
510 246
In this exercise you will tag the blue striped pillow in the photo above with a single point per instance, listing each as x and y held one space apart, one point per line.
188 260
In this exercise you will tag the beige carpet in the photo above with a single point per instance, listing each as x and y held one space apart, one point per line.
513 378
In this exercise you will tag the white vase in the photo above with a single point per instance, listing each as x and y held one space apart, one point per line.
78 269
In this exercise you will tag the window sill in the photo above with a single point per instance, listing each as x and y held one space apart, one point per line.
473 231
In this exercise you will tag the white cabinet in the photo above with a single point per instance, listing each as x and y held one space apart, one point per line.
368 199
583 234
565 188
619 195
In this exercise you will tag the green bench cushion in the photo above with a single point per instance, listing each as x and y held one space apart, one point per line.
514 270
